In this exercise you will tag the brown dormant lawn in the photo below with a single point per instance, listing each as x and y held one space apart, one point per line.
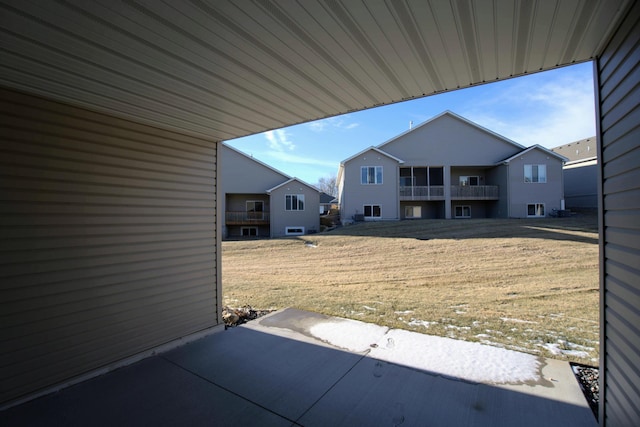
528 285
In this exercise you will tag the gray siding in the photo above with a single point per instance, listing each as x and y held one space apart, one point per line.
581 185
522 193
618 88
356 194
309 218
448 140
108 241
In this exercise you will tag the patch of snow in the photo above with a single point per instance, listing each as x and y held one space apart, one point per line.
508 319
554 348
462 359
404 312
416 322
349 334
460 312
366 307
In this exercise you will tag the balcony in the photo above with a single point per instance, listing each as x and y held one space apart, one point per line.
474 192
246 218
458 192
432 192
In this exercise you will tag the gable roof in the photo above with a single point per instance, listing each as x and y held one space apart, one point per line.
458 117
235 150
372 148
535 147
289 181
578 150
326 198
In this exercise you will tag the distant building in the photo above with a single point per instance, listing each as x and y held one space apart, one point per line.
450 167
580 173
260 201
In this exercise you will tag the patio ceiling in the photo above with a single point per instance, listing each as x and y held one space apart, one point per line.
227 69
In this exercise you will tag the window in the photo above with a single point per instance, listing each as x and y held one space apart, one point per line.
535 209
535 173
255 209
412 211
469 180
294 231
249 231
294 202
372 211
371 174
462 211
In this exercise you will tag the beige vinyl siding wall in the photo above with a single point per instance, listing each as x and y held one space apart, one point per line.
108 240
618 87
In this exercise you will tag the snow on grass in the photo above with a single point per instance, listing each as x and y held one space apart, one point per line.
444 356
416 322
508 319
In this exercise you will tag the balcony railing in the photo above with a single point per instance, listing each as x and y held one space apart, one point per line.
246 218
432 192
458 192
474 192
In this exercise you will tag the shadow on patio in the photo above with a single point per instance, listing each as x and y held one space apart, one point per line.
266 373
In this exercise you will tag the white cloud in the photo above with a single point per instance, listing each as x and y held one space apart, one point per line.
340 123
292 158
533 111
279 140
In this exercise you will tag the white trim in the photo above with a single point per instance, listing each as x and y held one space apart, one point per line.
536 147
372 148
461 207
293 233
544 208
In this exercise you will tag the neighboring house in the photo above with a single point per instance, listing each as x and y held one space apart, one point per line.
580 173
449 167
326 202
260 201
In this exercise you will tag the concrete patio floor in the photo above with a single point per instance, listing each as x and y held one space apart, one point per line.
272 372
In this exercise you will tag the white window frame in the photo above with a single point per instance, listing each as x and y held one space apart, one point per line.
365 176
299 202
541 170
293 231
465 180
413 211
243 229
536 207
462 210
372 207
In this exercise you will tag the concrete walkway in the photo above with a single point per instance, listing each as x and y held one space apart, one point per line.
272 371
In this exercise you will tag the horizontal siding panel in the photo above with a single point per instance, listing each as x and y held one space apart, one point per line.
129 306
624 291
622 272
622 200
618 239
627 163
13 144
627 384
86 178
75 290
16 257
626 181
106 189
623 219
120 345
74 242
626 322
626 256
622 138
64 166
126 129
109 240
129 269
619 84
124 133
619 412
623 41
57 266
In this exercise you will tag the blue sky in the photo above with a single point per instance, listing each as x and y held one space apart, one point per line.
550 108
